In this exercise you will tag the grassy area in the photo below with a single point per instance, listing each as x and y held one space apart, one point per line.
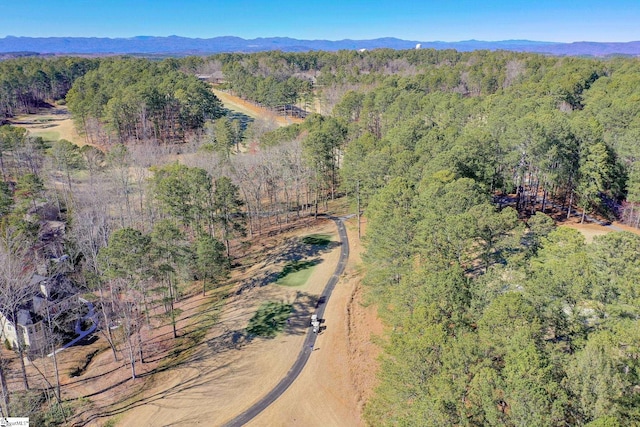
296 273
51 124
317 239
269 319
47 135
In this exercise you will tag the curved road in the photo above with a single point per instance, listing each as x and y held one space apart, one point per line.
309 341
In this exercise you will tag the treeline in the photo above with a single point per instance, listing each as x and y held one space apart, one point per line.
29 83
268 90
113 99
138 100
140 272
294 173
569 135
429 70
548 335
495 100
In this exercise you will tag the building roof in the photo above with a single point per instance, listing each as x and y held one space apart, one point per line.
24 317
36 280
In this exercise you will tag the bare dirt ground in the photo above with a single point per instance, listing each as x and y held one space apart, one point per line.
588 229
245 107
51 124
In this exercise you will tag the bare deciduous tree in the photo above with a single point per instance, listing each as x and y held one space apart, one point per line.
16 270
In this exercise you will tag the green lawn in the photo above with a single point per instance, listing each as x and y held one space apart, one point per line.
317 239
269 319
296 273
47 135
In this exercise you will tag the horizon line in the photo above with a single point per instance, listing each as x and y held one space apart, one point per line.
9 36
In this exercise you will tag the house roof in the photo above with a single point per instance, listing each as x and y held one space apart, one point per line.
24 317
36 279
28 313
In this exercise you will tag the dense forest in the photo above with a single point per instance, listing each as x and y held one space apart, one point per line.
29 83
462 163
138 100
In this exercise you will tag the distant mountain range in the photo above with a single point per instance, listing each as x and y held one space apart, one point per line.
174 45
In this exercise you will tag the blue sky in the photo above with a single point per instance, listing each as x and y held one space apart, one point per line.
420 20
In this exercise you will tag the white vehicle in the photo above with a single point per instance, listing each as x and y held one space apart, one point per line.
315 323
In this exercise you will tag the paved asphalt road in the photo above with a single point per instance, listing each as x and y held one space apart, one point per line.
309 341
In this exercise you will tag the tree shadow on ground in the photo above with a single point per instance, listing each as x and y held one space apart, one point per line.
240 117
317 239
87 340
295 249
300 320
183 386
196 350
230 340
295 266
296 323
261 279
270 319
80 380
202 317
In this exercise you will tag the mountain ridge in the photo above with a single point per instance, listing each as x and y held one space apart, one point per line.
177 45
